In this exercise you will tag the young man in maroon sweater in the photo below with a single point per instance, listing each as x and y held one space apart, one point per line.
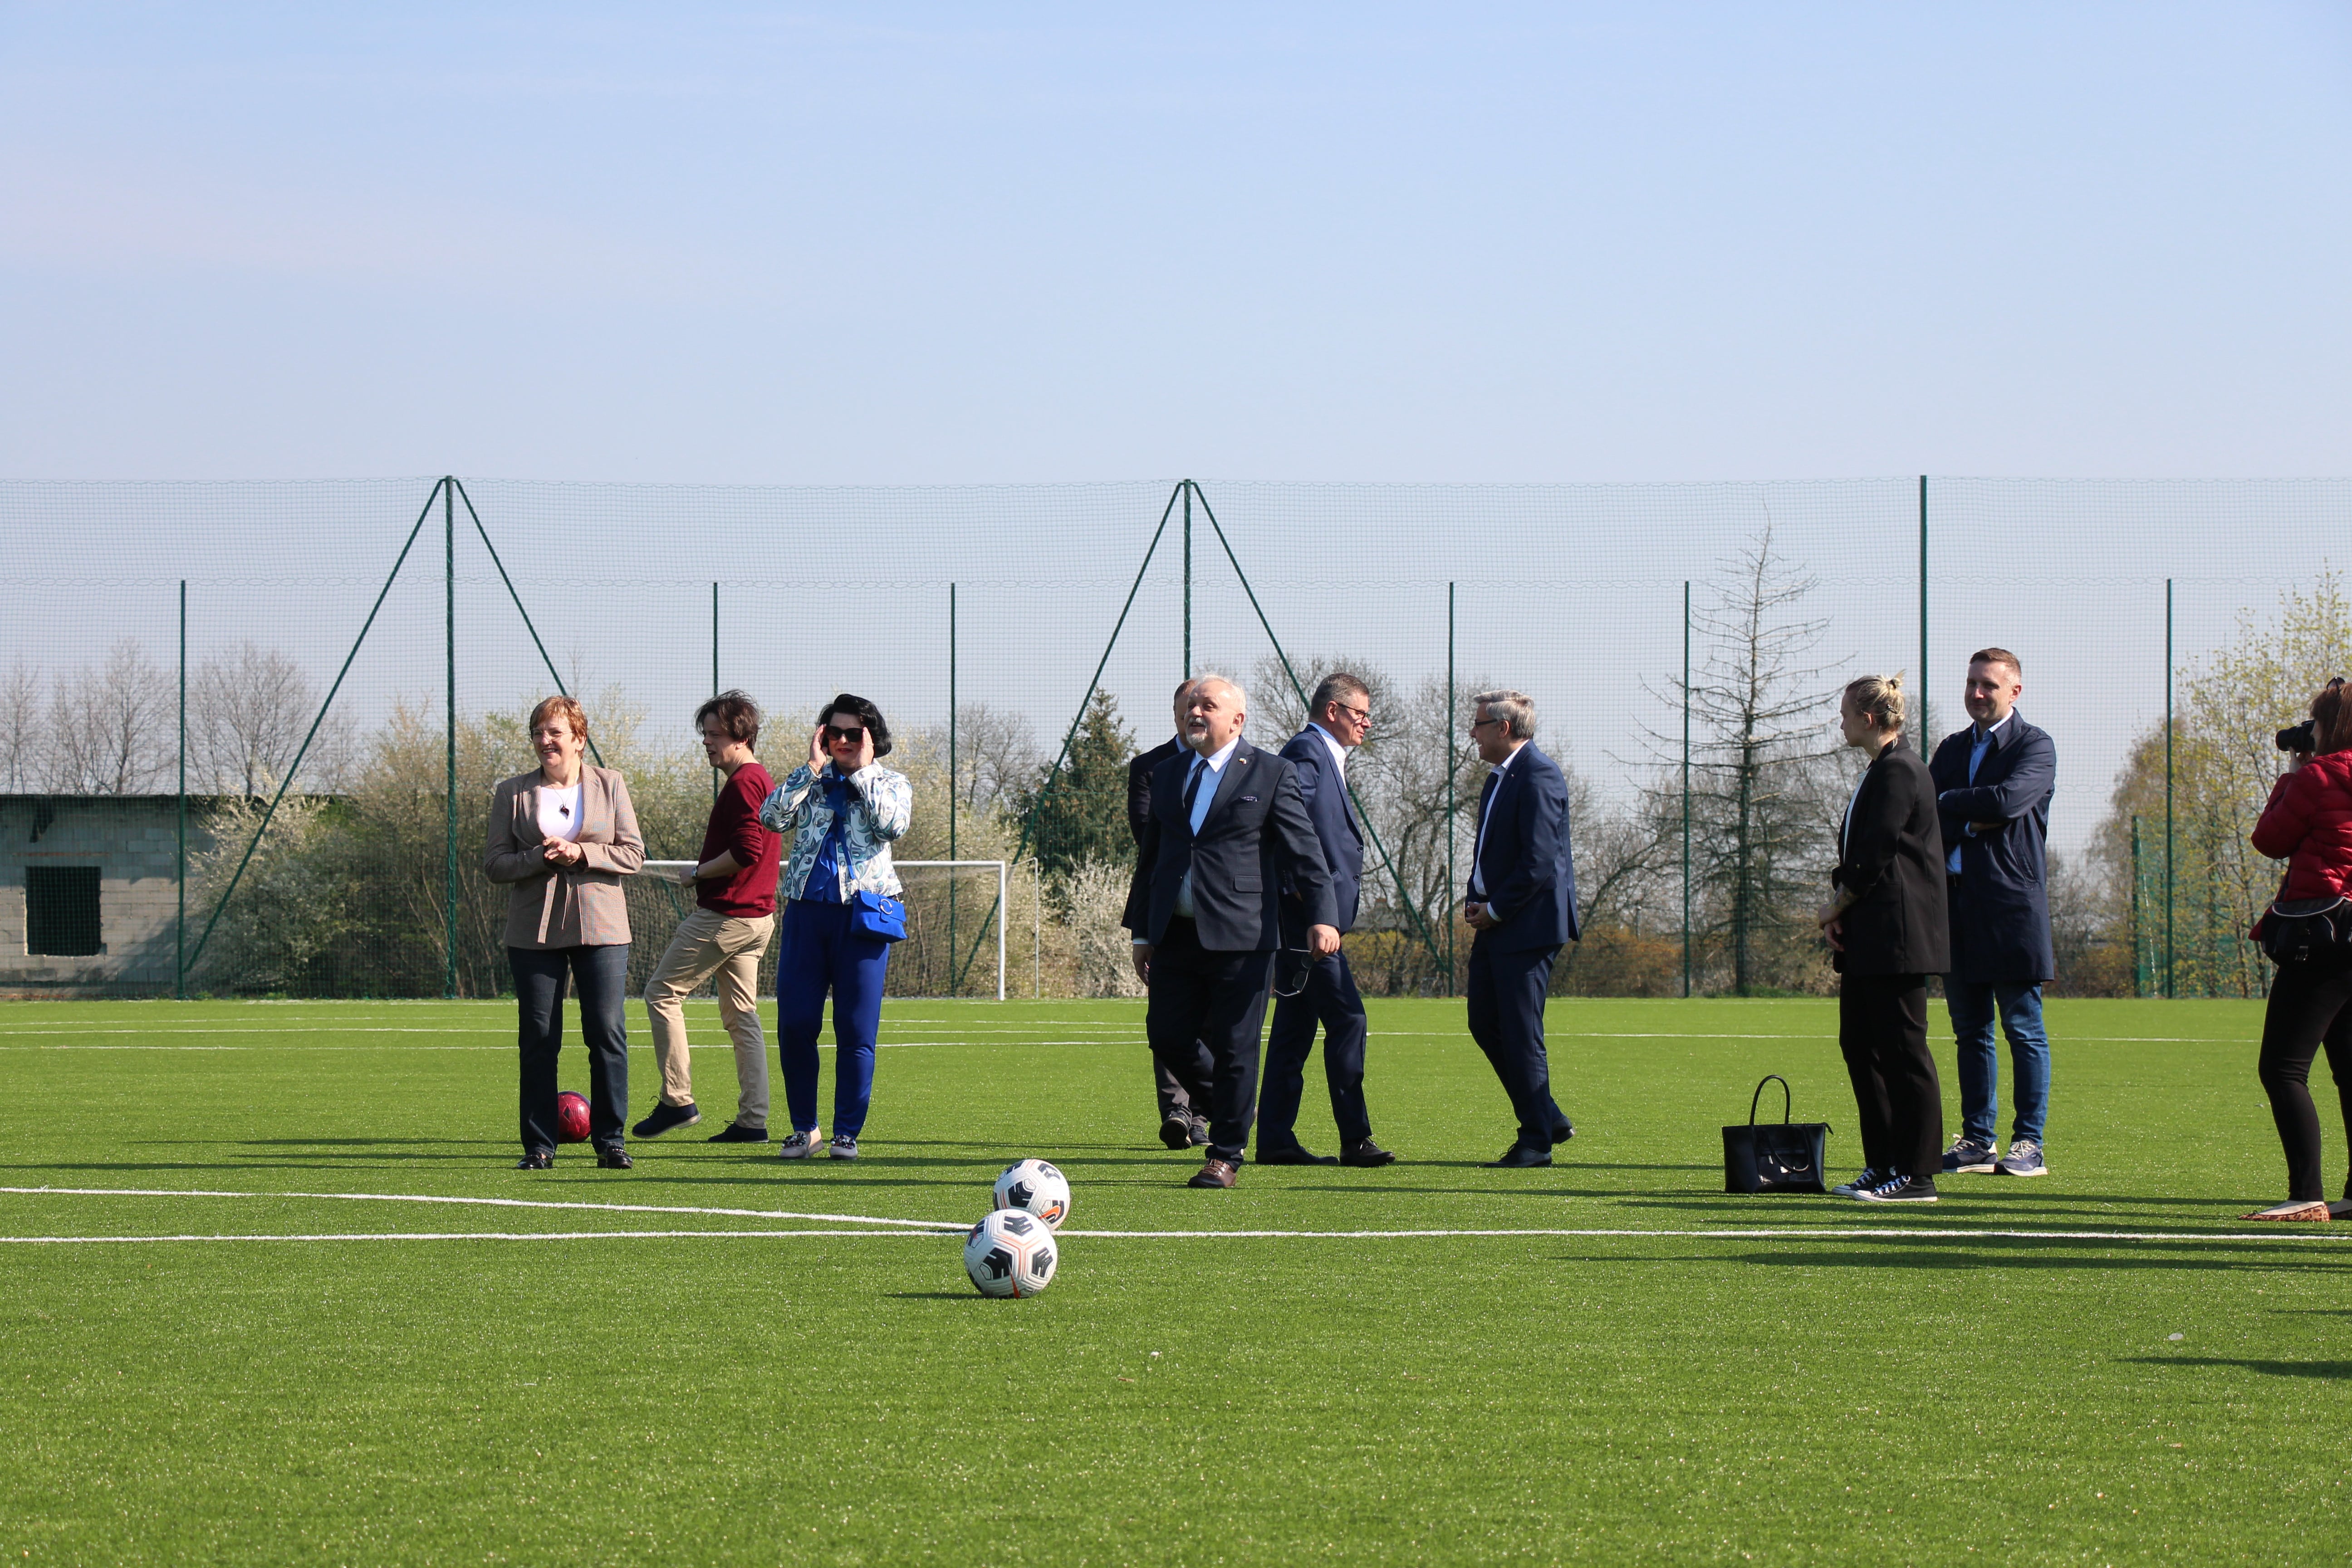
735 883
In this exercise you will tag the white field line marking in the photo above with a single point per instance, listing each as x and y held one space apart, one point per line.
460 1235
1776 1233
491 1203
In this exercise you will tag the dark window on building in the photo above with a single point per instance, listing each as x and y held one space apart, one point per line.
61 910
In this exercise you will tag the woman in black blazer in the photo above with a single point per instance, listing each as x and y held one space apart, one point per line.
1888 930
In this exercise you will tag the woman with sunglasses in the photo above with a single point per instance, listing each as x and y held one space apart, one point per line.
2308 824
842 811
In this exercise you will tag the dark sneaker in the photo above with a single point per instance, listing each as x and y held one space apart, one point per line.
2023 1159
843 1147
537 1160
797 1145
1861 1184
615 1159
1176 1130
1901 1190
665 1117
1200 1138
736 1133
1294 1155
1969 1157
1365 1153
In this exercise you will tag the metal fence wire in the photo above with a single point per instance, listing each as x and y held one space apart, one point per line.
249 732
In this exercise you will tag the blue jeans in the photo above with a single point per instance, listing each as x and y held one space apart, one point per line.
1972 1004
817 953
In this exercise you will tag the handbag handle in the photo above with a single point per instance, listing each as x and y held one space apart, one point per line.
1759 1095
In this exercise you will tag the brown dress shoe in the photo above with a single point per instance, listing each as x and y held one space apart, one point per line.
1214 1173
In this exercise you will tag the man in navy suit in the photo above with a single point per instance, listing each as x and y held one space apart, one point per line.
1228 833
1522 904
1325 991
1993 783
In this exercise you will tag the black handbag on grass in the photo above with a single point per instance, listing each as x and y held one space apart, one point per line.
1775 1157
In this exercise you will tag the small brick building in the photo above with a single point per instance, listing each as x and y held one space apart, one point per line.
89 891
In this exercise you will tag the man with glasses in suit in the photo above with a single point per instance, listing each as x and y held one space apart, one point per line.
1522 904
1311 990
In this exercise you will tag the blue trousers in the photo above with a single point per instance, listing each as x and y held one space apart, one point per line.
816 952
1972 1004
1329 998
540 975
1505 995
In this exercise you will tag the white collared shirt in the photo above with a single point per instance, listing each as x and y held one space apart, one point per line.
1214 763
1976 750
1338 752
1478 845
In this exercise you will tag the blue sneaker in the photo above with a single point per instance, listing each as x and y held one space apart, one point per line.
1968 1156
2023 1159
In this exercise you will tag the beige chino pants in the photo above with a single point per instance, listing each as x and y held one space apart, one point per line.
708 944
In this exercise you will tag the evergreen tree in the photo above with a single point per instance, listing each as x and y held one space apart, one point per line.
1078 812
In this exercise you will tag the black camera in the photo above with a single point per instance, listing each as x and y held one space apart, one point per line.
2304 737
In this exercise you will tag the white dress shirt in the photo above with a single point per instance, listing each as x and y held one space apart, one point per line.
1215 763
1338 752
1478 845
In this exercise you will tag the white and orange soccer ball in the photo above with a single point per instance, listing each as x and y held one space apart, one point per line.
1035 1186
1011 1252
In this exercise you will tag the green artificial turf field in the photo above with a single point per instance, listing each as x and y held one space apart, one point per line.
1840 1382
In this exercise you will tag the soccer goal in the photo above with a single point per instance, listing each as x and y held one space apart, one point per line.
955 920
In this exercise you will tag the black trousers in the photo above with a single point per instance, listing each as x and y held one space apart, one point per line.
1883 1030
1329 998
1505 995
602 973
1172 1092
2307 1010
1206 1013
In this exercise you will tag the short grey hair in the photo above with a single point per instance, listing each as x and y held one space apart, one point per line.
1516 710
1334 688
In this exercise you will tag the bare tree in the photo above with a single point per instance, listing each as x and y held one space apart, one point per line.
248 710
996 755
24 743
111 729
1762 788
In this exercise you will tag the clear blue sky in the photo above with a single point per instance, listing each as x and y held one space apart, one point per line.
922 243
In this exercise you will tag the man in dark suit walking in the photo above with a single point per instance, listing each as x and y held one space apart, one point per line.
1228 832
1341 715
1182 1124
1522 904
1993 783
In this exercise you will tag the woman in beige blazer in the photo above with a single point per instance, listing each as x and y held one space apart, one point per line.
561 839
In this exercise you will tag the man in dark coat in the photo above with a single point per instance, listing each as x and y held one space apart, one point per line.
1993 783
1228 835
1521 901
1182 1123
1322 990
1888 930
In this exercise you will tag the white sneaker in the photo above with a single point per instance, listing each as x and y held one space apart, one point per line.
800 1144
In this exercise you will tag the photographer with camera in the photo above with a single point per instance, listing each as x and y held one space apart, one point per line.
2308 824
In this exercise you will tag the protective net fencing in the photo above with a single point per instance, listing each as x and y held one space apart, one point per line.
249 732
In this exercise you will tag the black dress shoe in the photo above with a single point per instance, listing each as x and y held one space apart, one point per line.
615 1159
1294 1155
1364 1154
1563 1132
1214 1173
1200 1132
666 1117
1519 1157
1176 1130
736 1133
538 1160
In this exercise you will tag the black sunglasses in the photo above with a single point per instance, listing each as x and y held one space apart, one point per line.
834 733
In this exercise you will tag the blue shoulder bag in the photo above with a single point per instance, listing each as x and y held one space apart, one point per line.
878 915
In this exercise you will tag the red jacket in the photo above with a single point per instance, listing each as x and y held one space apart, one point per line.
2308 824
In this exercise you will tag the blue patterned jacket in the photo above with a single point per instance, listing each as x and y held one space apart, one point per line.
881 805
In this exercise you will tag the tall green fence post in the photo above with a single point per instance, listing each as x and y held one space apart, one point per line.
1686 794
449 834
1453 759
2139 947
180 935
2170 988
717 778
1186 673
953 777
1926 732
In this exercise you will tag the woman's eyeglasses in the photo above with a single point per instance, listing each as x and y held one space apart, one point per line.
835 735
